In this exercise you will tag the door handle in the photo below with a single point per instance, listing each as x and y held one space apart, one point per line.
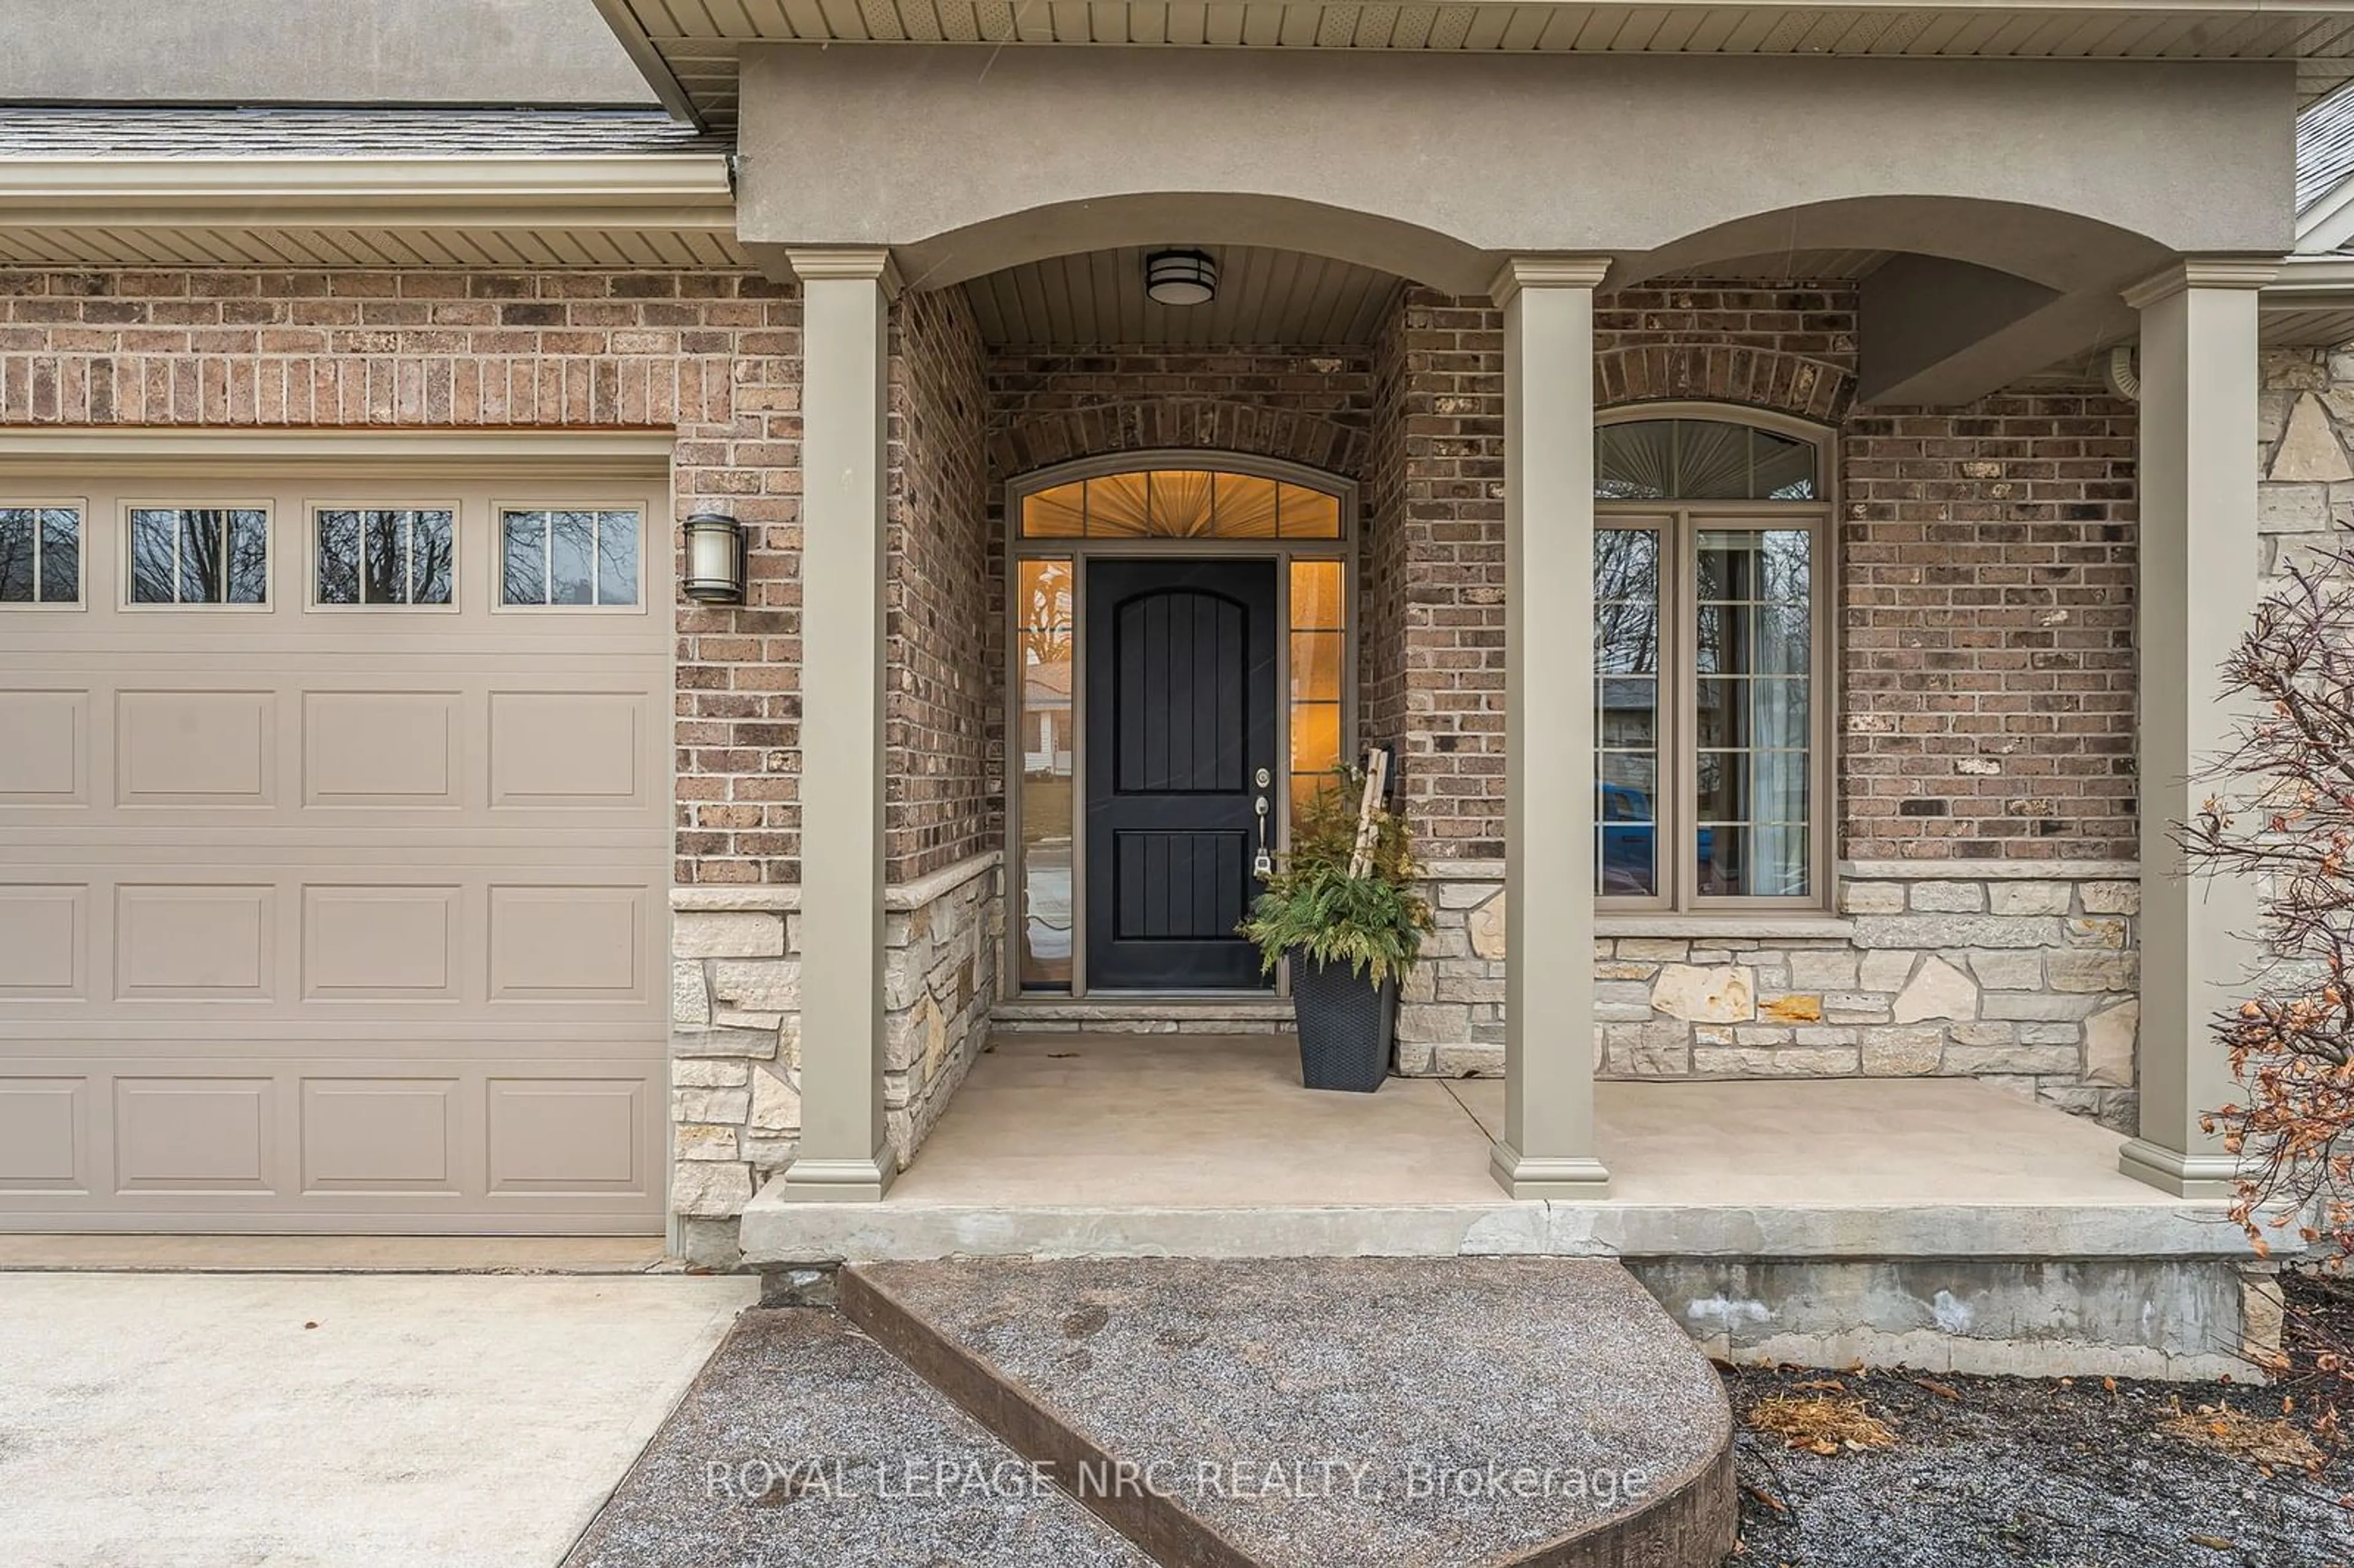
1263 863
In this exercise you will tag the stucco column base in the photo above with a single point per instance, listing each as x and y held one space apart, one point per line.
838 1180
1571 1179
2196 1176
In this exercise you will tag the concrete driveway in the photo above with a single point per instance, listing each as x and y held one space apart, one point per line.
204 1421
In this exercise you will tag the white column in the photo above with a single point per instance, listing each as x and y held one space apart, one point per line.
846 301
2198 548
1547 1149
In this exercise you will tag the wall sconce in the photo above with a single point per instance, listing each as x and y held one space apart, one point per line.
715 558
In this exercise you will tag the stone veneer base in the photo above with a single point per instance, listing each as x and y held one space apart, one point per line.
735 1030
2023 975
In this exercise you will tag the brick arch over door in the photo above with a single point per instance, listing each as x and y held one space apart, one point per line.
1792 383
1203 424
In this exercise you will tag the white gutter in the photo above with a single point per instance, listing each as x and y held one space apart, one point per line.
2311 282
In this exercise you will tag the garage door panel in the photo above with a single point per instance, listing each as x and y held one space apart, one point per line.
382 943
44 941
232 1133
44 1135
569 943
195 1134
45 761
333 918
195 941
569 750
551 1134
384 1135
211 748
402 749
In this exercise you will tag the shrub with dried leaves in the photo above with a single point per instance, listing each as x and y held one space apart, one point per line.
2282 815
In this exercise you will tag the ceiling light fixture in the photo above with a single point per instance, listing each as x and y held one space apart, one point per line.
1181 277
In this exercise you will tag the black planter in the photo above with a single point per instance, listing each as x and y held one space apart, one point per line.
1346 1025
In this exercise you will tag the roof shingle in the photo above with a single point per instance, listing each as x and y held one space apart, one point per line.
32 133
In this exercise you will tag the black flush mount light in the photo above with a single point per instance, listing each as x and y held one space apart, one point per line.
1181 277
715 558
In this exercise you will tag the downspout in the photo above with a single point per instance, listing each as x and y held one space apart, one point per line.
2125 372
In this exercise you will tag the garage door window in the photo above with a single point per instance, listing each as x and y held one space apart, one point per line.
41 555
388 558
566 557
199 554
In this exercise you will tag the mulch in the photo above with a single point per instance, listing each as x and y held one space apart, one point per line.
1979 1472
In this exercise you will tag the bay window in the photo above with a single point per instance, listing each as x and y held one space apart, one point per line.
1710 595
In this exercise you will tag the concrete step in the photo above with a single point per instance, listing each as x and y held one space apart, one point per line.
802 1443
1334 1413
1201 1014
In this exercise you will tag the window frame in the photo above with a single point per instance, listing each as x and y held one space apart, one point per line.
502 605
81 509
127 573
313 509
1675 808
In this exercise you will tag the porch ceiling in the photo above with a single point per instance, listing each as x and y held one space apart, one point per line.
1265 296
687 49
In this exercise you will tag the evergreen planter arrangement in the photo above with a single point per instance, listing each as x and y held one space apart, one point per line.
1343 908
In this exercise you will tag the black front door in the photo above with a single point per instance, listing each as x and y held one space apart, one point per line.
1181 722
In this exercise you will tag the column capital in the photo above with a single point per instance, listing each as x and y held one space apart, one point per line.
867 263
2202 272
1520 272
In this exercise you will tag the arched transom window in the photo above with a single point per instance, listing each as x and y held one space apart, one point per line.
1710 648
1703 459
1181 503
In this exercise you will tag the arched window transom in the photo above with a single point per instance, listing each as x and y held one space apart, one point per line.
1181 503
1702 459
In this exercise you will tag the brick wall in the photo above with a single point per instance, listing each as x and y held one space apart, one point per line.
1988 593
1986 573
1437 577
713 356
942 615
1382 557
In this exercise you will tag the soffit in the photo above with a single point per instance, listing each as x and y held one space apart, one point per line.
1265 296
689 47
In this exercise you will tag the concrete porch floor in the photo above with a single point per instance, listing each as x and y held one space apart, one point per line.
1207 1145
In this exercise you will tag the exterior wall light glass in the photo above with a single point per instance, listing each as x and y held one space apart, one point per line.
715 558
1181 277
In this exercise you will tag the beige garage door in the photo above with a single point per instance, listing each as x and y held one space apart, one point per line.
333 843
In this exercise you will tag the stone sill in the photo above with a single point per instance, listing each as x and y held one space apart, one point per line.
1989 871
898 896
1093 1010
1878 871
1752 926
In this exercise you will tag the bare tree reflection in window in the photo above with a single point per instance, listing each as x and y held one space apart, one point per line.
20 555
432 556
387 558
199 554
617 557
60 555
570 557
524 576
155 557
